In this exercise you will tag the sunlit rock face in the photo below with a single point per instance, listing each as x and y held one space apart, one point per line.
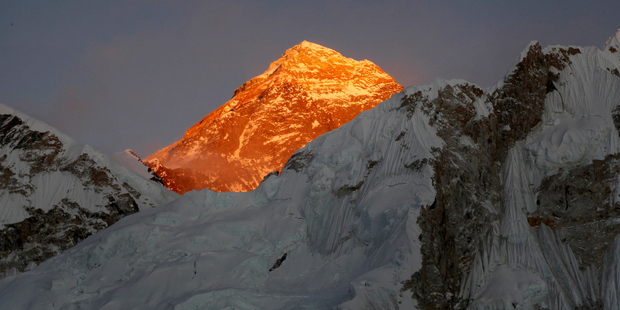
309 91
55 192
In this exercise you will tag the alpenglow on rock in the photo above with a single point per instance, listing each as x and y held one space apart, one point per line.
55 192
309 91
445 196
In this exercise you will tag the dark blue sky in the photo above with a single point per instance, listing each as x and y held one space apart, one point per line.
137 74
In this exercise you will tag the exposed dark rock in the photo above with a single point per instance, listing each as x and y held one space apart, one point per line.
417 165
278 263
40 149
299 160
169 177
409 103
577 203
467 179
615 114
371 164
346 190
44 234
11 184
464 179
131 190
156 178
272 173
400 136
47 234
92 176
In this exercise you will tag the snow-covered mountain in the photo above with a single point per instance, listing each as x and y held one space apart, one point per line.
55 192
132 161
445 196
310 90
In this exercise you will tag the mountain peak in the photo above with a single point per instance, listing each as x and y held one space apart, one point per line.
309 57
613 43
308 48
133 154
308 91
306 45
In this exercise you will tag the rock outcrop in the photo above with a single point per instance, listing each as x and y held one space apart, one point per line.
55 192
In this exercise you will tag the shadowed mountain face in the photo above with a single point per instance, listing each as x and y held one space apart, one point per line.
55 192
309 91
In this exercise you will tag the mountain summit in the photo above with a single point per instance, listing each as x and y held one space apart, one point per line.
309 91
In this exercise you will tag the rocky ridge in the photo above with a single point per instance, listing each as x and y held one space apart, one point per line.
545 137
55 192
132 161
468 176
310 90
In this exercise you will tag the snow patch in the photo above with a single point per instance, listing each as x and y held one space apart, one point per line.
129 160
512 285
568 141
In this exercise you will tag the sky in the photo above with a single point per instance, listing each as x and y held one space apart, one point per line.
137 74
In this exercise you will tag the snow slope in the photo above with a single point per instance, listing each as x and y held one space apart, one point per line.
130 160
327 211
55 191
444 196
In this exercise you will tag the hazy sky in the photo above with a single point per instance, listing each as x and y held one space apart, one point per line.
137 74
